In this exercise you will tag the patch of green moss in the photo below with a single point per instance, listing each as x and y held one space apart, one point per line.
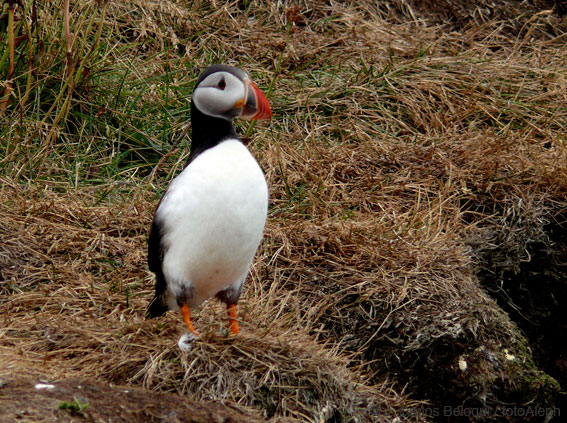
522 371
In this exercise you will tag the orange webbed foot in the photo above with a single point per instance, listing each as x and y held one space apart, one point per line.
185 312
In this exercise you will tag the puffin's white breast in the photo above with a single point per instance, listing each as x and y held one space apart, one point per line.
213 216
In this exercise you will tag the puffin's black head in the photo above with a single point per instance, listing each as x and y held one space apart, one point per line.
226 92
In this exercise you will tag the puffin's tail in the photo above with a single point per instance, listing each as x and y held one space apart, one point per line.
156 308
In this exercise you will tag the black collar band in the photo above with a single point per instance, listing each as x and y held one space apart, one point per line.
208 131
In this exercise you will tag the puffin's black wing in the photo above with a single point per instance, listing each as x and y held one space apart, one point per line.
155 255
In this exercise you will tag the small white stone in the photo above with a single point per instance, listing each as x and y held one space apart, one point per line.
508 355
186 341
44 386
462 364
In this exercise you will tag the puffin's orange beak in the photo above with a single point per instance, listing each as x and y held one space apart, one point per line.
257 105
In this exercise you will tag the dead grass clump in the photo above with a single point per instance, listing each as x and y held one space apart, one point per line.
281 376
380 269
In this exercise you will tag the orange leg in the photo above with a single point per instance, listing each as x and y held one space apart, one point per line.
187 319
232 322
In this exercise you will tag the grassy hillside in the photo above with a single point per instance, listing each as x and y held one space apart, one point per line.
414 260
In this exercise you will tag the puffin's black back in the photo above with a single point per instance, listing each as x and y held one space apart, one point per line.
155 256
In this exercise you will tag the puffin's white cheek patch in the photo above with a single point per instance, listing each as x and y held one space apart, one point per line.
212 101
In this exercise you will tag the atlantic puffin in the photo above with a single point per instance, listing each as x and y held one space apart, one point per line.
210 220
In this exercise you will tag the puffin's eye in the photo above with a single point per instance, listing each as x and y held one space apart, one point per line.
222 84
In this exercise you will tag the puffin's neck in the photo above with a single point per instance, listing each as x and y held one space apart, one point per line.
208 131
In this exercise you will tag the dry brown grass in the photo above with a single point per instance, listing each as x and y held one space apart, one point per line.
76 287
405 149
